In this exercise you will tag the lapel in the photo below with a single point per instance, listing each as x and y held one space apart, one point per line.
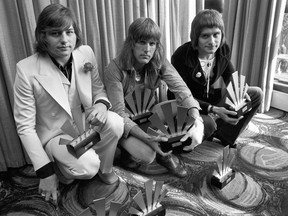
82 79
196 72
51 81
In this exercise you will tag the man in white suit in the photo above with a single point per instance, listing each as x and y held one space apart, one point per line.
53 88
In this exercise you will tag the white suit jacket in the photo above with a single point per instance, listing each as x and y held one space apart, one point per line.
41 104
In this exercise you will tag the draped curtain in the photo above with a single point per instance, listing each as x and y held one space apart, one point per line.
104 24
253 29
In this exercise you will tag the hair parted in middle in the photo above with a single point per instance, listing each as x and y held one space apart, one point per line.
142 29
55 17
208 18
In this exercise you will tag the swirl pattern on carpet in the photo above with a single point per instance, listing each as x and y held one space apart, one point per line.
260 186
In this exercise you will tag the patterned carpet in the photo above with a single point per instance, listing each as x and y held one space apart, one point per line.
260 186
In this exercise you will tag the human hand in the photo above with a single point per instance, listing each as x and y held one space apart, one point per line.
48 188
247 97
227 115
196 133
154 143
97 115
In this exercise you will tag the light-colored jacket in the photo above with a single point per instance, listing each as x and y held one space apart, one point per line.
41 104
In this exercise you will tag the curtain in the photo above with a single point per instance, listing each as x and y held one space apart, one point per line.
253 30
104 24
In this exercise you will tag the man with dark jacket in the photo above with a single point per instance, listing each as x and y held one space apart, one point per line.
204 64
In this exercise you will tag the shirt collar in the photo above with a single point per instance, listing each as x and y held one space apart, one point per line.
68 64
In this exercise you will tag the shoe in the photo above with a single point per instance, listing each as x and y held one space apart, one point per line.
108 178
173 167
223 142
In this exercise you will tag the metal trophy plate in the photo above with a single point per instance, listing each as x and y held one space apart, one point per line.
174 126
80 143
139 103
224 174
98 205
150 203
237 90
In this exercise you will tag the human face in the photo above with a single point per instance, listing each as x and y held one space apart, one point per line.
143 52
60 44
209 41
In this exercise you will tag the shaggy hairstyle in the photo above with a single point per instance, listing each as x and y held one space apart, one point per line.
206 19
143 29
54 17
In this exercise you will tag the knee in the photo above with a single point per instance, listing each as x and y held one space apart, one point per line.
115 124
259 93
256 95
210 126
149 156
90 166
139 150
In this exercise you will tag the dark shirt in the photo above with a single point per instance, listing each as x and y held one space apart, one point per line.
67 69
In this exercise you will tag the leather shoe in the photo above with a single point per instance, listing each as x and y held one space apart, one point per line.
173 167
108 178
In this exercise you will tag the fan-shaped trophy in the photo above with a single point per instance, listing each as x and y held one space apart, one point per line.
236 99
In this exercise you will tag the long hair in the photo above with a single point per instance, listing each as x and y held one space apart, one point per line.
55 17
208 18
143 29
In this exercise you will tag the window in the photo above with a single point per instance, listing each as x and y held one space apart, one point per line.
280 85
281 73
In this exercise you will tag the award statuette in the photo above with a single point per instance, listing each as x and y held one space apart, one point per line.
173 126
236 99
98 205
151 206
139 103
80 143
225 174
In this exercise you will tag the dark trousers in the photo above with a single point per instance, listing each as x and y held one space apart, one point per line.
228 133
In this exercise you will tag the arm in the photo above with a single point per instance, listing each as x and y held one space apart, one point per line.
97 113
25 119
229 68
224 113
177 86
184 98
113 80
178 61
152 141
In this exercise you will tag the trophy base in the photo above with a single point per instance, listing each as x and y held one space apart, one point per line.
77 148
141 118
160 211
224 180
242 109
174 144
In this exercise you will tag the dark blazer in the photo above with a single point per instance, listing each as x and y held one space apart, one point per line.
185 60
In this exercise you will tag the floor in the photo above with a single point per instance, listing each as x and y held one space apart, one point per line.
260 185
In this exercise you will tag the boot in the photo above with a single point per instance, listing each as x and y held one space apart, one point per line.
173 167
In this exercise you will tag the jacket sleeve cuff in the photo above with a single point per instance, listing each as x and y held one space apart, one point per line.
106 103
45 171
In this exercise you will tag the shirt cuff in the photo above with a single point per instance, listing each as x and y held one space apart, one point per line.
106 103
